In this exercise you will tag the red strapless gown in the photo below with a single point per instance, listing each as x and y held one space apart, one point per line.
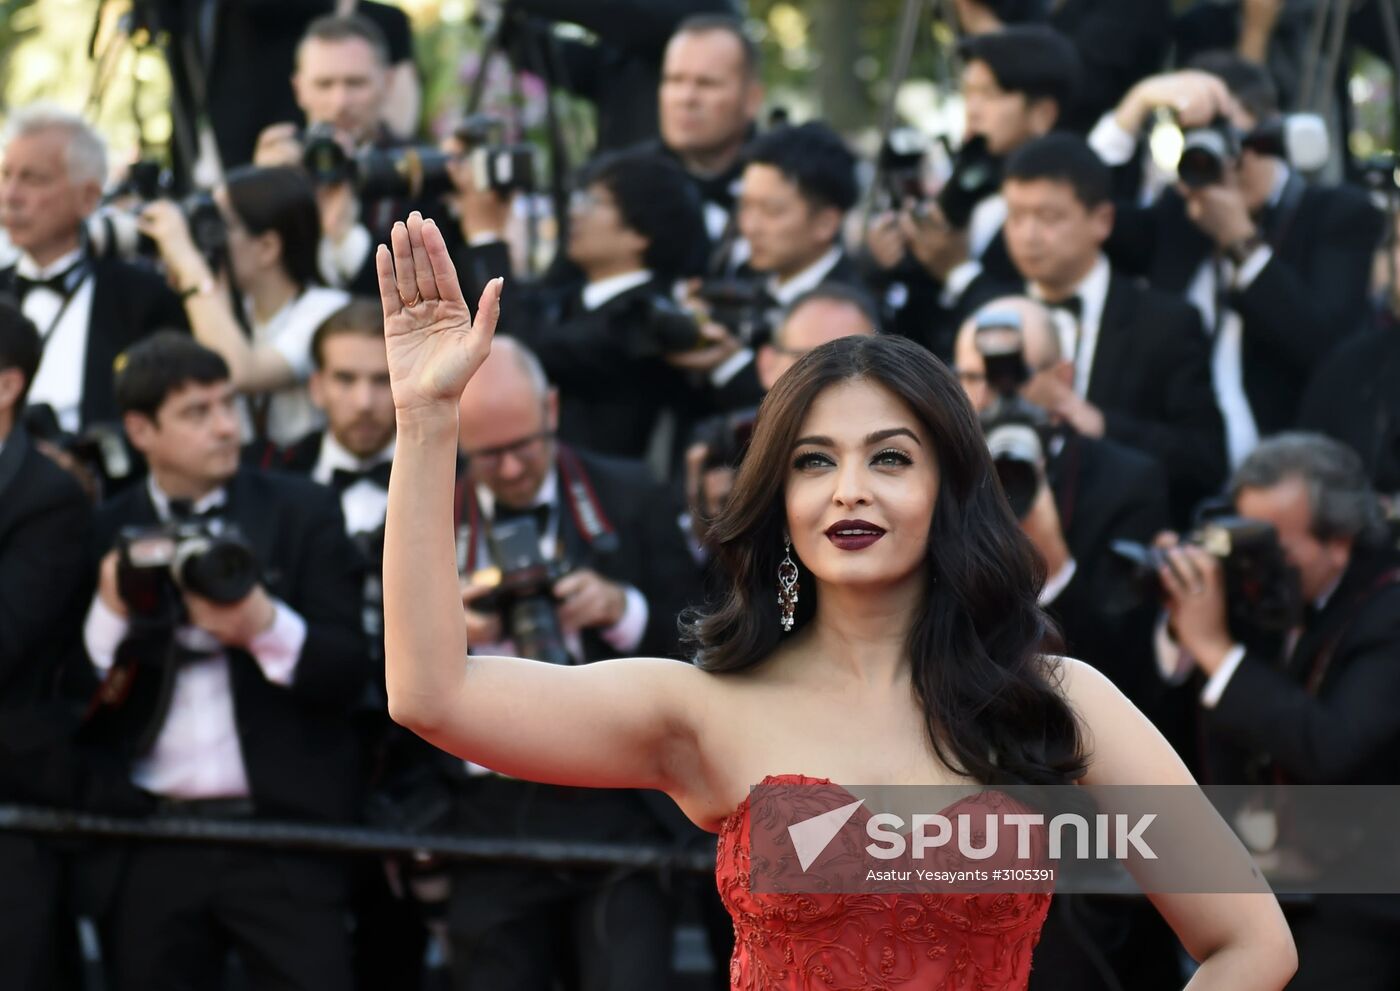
871 942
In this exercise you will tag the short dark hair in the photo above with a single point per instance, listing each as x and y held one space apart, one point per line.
1032 59
363 316
838 292
657 200
1251 85
344 27
708 23
20 346
814 158
1065 158
280 199
165 362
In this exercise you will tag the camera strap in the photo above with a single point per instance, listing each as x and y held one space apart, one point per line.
1323 660
577 495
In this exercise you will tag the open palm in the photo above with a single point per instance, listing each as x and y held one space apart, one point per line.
434 347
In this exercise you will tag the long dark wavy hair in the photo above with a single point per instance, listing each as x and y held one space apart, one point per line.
977 645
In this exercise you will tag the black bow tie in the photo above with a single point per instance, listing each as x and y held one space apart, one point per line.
343 478
540 514
1072 305
183 509
60 284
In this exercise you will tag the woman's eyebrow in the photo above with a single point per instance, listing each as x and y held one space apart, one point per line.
874 438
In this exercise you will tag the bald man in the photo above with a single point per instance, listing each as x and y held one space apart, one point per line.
628 576
821 315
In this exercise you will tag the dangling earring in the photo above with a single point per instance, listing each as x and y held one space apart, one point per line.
787 584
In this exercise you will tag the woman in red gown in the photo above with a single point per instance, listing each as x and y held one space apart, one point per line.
881 627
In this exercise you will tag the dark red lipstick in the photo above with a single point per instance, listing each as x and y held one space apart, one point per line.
854 535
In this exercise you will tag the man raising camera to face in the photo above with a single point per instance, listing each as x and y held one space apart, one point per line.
1320 710
227 631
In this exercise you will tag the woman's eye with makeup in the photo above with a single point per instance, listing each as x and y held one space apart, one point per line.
811 459
893 456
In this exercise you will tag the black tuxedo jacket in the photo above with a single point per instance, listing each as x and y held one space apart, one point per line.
1151 378
128 303
45 584
1349 731
296 741
1104 492
1118 43
1309 297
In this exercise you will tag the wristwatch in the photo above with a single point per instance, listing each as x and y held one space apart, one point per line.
203 287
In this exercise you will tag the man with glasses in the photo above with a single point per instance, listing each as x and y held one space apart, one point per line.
626 575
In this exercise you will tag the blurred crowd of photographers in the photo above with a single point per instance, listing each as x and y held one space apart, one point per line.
1184 361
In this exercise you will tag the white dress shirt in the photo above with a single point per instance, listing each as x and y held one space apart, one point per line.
197 752
364 503
1080 341
59 380
290 413
595 294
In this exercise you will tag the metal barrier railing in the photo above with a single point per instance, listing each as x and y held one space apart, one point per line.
351 839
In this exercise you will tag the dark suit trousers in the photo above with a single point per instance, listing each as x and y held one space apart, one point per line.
38 949
514 928
180 909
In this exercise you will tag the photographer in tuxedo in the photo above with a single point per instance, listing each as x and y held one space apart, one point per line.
45 583
1141 369
353 456
87 309
343 81
1016 83
1277 266
220 705
635 227
1318 707
618 575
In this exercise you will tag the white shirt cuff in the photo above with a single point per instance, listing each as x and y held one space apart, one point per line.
1058 582
1253 265
731 366
484 238
340 262
1111 143
103 633
958 280
627 632
1173 663
1215 686
278 648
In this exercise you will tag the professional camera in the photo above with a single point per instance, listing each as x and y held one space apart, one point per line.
654 326
902 164
100 449
113 230
976 175
1014 428
413 171
1299 139
741 306
156 563
1262 592
523 595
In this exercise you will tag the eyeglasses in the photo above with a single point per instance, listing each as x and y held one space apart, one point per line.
528 449
584 200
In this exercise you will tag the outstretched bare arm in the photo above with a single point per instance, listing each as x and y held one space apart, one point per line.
624 723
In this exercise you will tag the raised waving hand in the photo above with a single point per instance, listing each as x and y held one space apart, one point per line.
434 345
